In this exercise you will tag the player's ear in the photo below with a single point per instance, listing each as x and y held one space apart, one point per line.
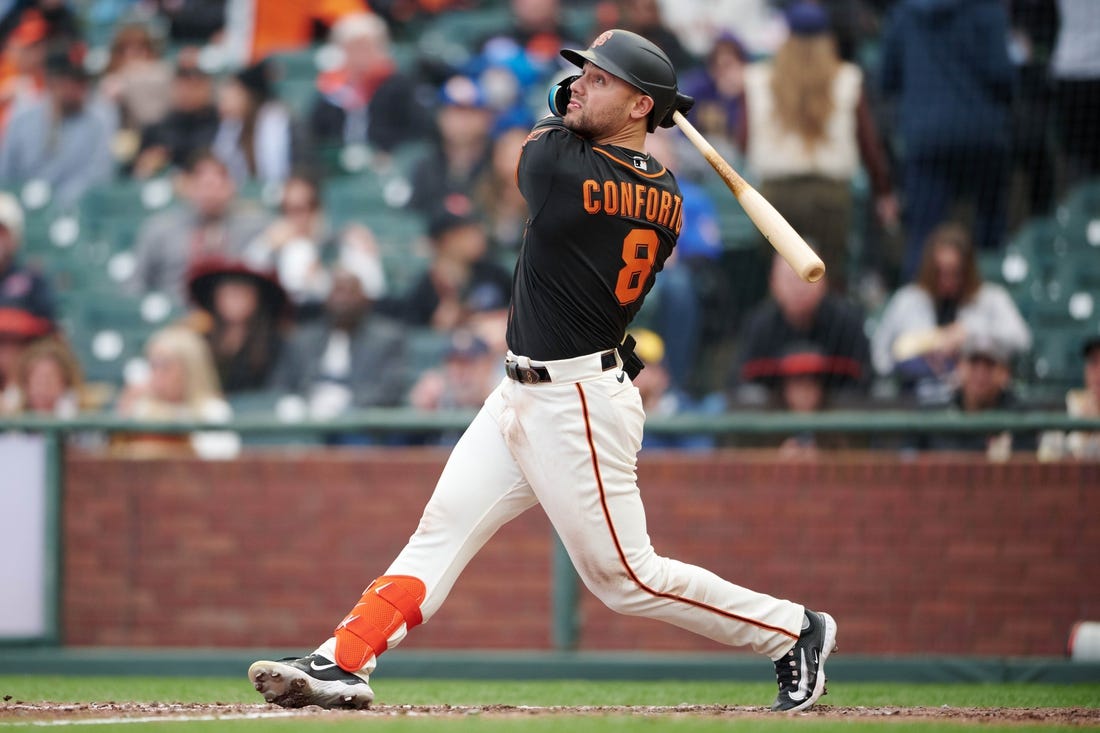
643 105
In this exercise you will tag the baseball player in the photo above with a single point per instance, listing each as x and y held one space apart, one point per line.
564 427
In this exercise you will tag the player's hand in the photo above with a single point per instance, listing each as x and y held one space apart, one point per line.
684 103
560 93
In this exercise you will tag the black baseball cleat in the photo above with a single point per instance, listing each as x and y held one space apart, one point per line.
314 680
801 671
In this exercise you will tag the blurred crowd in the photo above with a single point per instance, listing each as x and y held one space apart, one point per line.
911 142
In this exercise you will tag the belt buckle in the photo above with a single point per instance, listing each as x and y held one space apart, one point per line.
530 376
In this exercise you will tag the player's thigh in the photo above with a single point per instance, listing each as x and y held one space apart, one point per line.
585 475
481 486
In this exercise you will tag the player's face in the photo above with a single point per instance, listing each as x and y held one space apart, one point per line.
600 104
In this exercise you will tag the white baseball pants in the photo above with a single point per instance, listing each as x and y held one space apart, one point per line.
571 445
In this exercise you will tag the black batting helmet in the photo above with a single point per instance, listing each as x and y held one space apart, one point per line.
637 62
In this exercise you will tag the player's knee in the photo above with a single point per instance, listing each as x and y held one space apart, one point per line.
616 596
623 589
615 589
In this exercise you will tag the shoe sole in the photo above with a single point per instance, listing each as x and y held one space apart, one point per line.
828 646
290 687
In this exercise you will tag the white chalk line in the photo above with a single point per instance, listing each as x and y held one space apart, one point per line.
173 718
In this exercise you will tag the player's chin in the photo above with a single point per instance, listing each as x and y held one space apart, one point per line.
576 123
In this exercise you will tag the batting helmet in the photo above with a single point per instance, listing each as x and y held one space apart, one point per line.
637 62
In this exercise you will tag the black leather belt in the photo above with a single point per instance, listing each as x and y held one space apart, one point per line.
539 374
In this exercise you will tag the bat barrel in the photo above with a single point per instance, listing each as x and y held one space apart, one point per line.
779 233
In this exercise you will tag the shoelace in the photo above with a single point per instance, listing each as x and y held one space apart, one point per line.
786 670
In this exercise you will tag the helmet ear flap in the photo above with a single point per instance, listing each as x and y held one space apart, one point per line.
560 94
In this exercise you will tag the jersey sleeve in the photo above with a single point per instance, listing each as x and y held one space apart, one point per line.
542 159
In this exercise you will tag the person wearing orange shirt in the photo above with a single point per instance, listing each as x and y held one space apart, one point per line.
255 29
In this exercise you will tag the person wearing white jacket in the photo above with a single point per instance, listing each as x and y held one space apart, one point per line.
926 322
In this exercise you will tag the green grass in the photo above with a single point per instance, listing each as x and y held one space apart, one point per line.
555 724
554 693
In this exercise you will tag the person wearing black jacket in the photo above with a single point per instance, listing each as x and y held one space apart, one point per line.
367 100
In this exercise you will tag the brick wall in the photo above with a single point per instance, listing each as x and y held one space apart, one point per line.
943 554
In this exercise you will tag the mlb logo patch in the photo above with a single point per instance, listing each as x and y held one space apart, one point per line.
640 163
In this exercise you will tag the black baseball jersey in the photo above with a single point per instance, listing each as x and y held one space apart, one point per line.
602 220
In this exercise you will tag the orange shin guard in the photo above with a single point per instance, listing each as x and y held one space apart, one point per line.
387 603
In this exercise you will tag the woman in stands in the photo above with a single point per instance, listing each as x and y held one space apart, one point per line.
926 323
182 385
242 312
255 136
48 380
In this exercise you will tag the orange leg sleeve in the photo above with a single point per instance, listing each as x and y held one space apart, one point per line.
387 603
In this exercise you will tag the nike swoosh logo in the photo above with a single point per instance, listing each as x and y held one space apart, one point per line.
346 621
803 690
620 376
321 667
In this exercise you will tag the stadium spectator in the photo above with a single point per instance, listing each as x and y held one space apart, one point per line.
685 300
926 322
947 63
808 129
538 30
461 284
661 397
181 385
404 12
59 18
800 312
460 159
26 303
1086 403
255 138
19 328
22 65
21 287
210 221
191 21
498 198
718 87
1075 67
984 382
1034 28
698 22
48 381
353 357
801 371
242 313
367 100
301 241
255 29
1083 403
644 17
138 82
189 126
296 245
856 26
64 138
469 372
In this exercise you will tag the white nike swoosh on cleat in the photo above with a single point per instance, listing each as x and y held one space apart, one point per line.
321 667
803 690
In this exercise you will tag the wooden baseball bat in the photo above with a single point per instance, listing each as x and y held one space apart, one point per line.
772 225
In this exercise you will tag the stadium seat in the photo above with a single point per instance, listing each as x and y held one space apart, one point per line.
424 349
1056 361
